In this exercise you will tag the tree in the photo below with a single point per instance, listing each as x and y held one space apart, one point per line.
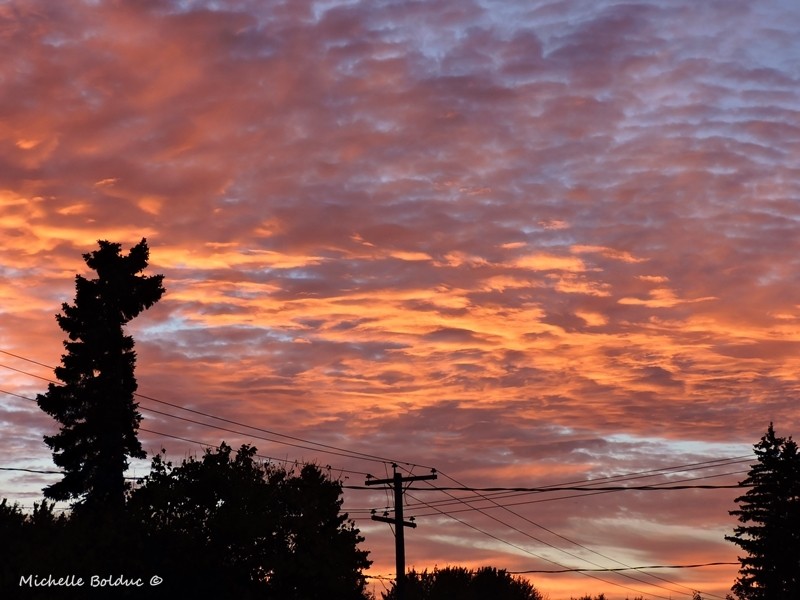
252 529
695 596
465 584
769 513
94 405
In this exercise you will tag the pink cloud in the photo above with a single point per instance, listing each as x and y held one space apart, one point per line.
487 238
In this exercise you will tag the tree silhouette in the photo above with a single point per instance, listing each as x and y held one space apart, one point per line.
238 528
770 515
95 408
465 584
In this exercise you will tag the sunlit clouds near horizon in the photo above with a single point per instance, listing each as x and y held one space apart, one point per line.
523 242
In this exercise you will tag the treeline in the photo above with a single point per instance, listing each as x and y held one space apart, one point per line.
465 584
221 526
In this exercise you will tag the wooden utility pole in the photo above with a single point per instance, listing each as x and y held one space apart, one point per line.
396 483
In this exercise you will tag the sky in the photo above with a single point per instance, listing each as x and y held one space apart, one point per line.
525 243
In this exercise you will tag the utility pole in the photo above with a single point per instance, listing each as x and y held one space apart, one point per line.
396 483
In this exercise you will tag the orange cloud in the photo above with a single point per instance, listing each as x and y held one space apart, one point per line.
495 242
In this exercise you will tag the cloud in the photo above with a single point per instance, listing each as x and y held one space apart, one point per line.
491 237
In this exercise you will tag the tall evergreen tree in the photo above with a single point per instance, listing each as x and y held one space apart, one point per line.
94 405
769 514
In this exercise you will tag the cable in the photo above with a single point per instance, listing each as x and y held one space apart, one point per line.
703 465
615 479
641 488
462 488
31 470
570 541
285 461
364 456
41 471
697 566
543 528
526 551
526 502
315 446
260 437
336 450
333 449
202 443
18 395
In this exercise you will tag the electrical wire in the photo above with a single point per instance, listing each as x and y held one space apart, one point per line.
205 445
433 504
305 445
588 483
315 446
578 544
697 566
665 487
589 492
529 552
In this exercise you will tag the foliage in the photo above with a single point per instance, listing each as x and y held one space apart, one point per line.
222 526
603 597
465 584
769 513
95 407
250 528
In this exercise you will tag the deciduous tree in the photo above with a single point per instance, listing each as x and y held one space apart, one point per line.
242 528
465 584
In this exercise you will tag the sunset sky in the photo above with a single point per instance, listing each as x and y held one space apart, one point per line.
523 242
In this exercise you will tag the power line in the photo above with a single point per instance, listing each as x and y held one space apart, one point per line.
589 492
620 488
568 540
45 472
345 452
285 461
314 446
650 473
461 501
31 470
335 450
318 447
469 508
481 511
348 453
589 483
260 437
18 395
197 442
697 566
525 550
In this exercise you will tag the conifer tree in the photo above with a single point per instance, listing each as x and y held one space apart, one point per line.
95 405
769 514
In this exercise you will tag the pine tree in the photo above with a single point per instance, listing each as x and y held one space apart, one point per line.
95 406
770 517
